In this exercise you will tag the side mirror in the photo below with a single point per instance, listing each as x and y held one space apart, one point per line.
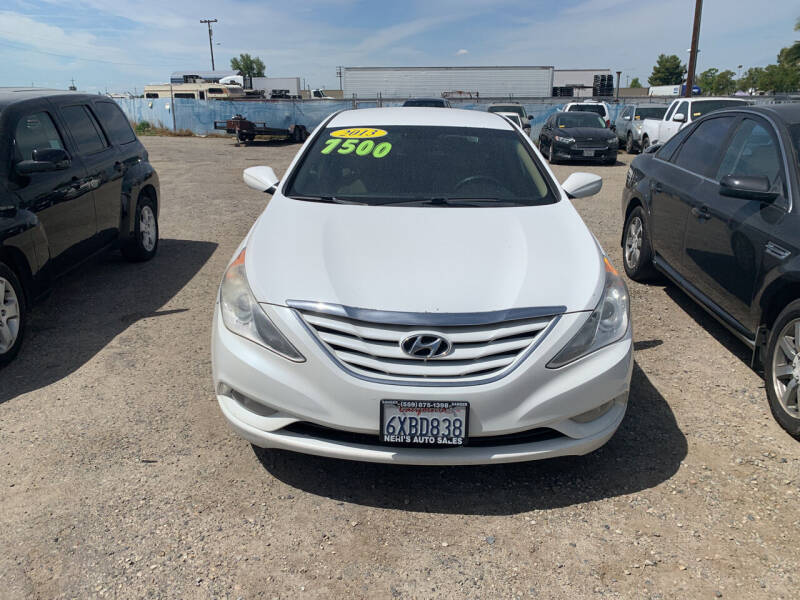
262 179
581 185
44 159
679 117
747 186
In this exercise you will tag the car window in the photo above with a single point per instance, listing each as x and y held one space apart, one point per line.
703 107
626 112
595 108
579 119
650 112
753 151
400 164
683 109
515 108
114 122
794 133
35 131
423 103
671 110
84 129
699 151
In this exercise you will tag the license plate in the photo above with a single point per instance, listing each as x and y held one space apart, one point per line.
588 152
423 423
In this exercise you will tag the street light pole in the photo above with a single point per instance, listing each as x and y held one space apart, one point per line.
210 36
698 10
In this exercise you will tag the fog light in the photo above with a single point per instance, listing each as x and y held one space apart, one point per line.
248 404
595 413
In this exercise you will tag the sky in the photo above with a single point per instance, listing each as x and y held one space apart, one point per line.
115 45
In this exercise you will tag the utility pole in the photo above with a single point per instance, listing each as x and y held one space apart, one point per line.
698 10
210 36
619 80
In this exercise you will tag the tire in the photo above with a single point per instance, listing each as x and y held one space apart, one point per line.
551 158
13 315
144 244
781 371
630 147
637 255
645 142
611 161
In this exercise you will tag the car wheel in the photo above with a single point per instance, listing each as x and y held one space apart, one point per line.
637 255
145 235
551 157
13 317
782 369
645 142
629 145
612 160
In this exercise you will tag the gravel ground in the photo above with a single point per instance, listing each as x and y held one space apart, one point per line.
119 477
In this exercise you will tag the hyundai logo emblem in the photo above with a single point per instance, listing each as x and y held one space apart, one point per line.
426 345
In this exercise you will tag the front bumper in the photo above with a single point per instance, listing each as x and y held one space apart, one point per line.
317 408
572 152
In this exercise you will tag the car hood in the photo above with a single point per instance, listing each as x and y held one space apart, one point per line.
424 259
581 133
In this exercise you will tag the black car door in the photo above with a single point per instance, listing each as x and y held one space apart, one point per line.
102 165
546 133
128 153
727 237
60 199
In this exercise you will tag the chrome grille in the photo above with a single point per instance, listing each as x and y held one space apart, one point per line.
591 144
373 349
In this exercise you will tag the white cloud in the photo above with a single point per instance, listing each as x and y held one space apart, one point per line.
462 52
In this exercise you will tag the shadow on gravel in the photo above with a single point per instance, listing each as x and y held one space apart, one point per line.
94 304
709 323
646 450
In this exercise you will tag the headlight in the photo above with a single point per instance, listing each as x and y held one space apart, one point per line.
613 141
565 140
607 324
243 316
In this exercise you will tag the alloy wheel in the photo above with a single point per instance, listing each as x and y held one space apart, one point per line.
9 316
633 242
786 368
147 228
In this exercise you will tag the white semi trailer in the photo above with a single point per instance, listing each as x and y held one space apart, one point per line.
469 82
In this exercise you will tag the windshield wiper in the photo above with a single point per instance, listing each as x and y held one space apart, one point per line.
326 199
442 201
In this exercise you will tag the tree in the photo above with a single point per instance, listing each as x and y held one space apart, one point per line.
635 83
750 80
668 70
248 66
706 81
724 83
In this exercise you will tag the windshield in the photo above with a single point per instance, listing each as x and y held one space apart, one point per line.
431 103
650 112
389 164
700 108
595 108
515 108
580 119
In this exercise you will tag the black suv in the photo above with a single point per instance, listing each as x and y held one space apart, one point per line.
717 210
74 181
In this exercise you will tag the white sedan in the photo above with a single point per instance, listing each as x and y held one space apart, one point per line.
421 290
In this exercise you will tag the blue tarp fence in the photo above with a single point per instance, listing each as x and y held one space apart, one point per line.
198 116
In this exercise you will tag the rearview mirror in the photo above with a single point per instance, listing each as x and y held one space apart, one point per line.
679 117
748 187
262 179
44 159
581 185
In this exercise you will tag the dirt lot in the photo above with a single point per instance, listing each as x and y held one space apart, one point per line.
120 478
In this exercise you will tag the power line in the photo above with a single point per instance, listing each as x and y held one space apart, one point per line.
80 58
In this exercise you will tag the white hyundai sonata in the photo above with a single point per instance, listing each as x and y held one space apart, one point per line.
421 290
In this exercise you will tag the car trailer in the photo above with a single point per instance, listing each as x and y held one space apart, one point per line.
246 131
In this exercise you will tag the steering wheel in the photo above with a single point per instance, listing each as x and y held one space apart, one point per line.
473 179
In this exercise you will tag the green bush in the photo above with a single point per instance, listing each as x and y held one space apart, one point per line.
142 127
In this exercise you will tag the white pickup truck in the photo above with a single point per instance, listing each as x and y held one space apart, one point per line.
680 113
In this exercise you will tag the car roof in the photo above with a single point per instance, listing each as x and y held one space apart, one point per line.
441 117
427 99
12 95
788 113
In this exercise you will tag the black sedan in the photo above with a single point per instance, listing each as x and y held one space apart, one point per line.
578 136
717 210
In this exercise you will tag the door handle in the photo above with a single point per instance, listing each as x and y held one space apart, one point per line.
118 166
701 213
657 187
